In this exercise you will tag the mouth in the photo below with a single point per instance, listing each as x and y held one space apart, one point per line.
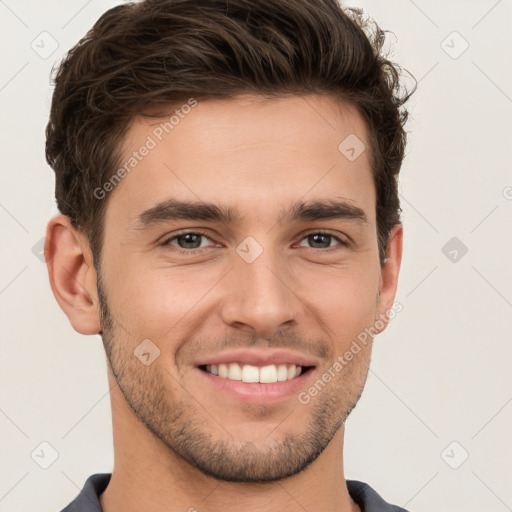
255 376
252 374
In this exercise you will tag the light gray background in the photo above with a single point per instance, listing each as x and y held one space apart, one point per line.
441 372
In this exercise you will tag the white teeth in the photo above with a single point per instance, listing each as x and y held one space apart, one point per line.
249 373
268 374
235 372
282 372
223 370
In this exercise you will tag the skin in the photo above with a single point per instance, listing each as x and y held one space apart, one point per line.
178 442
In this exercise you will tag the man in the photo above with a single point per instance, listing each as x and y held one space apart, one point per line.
227 174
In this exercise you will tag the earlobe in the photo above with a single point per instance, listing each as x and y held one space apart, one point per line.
389 274
72 274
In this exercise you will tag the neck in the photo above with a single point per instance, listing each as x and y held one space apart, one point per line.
147 475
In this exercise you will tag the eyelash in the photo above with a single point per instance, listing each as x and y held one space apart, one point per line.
342 242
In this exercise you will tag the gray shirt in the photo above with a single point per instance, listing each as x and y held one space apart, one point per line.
88 499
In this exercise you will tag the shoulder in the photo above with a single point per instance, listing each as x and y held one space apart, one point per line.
368 499
88 499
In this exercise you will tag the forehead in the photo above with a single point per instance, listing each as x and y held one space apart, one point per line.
250 154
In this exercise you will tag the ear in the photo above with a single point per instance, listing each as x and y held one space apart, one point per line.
389 275
72 275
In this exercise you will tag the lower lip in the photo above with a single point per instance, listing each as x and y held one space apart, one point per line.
256 392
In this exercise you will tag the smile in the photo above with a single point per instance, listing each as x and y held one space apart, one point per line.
251 374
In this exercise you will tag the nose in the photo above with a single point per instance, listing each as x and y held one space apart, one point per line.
259 296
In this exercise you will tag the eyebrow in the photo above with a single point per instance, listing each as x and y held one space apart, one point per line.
174 209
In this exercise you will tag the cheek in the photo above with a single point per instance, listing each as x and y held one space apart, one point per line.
154 301
345 298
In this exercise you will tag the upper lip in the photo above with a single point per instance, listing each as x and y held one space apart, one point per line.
262 357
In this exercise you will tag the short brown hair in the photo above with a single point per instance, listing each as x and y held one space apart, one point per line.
138 55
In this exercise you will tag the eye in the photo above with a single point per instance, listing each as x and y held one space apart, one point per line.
322 240
192 241
188 240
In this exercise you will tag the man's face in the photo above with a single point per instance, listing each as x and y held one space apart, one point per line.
268 287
